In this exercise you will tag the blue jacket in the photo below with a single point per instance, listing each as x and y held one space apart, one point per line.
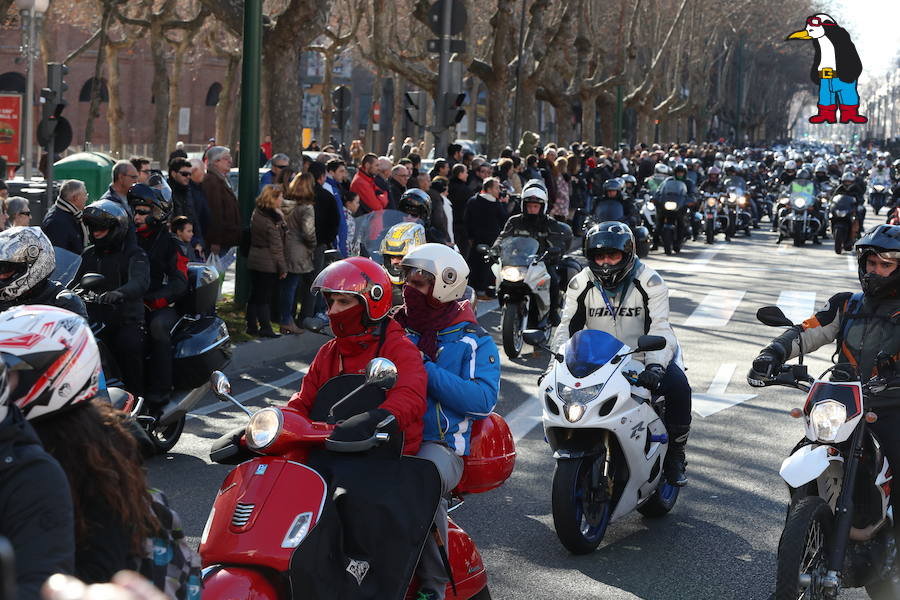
463 384
335 188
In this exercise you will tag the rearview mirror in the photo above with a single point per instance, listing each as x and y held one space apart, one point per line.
382 373
535 337
773 317
219 384
92 281
482 249
649 343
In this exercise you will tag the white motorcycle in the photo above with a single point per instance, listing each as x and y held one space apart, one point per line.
608 437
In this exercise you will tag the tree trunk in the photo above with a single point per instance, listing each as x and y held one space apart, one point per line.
160 90
608 122
94 110
225 105
114 112
327 105
373 137
565 128
498 115
399 116
281 66
175 90
528 120
588 119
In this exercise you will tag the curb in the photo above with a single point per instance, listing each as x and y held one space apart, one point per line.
257 352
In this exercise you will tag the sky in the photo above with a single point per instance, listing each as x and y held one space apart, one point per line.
874 27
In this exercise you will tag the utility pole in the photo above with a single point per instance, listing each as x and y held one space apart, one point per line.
442 135
620 110
248 181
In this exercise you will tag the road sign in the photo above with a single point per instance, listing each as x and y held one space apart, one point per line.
456 46
457 22
376 112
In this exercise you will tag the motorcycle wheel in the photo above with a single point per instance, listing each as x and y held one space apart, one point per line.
710 232
799 241
580 515
668 241
512 329
840 238
803 547
165 438
661 502
731 229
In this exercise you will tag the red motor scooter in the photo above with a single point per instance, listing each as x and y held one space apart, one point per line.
270 504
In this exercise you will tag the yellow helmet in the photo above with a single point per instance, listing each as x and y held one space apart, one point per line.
399 240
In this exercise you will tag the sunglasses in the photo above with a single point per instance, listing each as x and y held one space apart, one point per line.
142 211
279 166
27 213
184 173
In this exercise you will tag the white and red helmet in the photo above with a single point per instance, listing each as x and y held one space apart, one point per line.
52 359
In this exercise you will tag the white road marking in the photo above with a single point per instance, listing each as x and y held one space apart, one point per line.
851 263
785 248
704 257
715 399
524 418
715 309
483 307
796 305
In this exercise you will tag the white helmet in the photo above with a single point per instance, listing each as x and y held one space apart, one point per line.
54 356
26 259
449 268
790 165
534 190
662 168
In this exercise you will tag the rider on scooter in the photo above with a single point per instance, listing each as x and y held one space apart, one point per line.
168 282
864 327
358 294
463 367
620 295
554 236
26 264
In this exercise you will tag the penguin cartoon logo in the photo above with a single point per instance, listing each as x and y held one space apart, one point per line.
835 69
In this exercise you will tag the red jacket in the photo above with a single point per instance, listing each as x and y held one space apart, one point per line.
406 400
369 194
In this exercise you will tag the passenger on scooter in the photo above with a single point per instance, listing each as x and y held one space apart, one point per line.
168 282
554 237
863 325
463 367
620 295
357 292
37 516
26 264
399 240
127 277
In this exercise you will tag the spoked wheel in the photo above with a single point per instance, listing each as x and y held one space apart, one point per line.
581 502
165 438
802 550
512 326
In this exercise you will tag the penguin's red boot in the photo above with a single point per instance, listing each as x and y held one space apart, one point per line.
827 114
849 114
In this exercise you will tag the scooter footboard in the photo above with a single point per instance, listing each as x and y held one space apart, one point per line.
227 583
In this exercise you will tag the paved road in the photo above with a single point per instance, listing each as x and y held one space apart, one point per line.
719 541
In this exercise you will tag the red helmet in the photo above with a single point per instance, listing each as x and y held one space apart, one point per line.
361 277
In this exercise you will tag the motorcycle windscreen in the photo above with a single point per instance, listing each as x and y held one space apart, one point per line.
372 528
609 210
517 251
339 386
67 264
588 350
849 394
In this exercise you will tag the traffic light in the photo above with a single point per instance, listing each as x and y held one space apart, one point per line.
54 103
58 85
415 107
453 110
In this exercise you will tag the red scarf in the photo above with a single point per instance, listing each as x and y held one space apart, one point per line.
420 314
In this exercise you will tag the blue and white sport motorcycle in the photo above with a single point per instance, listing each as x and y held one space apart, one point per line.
608 437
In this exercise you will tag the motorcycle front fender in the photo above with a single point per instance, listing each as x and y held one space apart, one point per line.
806 464
224 583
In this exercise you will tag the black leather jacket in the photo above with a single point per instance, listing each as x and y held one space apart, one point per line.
49 293
549 232
127 270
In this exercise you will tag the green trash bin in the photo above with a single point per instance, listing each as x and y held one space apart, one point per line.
93 168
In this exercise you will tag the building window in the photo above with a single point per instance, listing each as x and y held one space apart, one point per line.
212 95
85 94
12 82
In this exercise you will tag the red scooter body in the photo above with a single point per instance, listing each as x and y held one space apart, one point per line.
262 499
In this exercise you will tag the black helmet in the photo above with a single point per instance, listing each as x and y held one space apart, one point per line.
610 235
417 203
680 168
614 184
141 194
883 240
108 215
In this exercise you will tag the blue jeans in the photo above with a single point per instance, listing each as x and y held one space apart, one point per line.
675 387
834 91
286 295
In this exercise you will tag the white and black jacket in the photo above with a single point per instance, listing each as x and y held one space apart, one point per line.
644 310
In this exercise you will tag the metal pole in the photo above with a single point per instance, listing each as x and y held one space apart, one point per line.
620 110
740 91
441 130
515 116
29 94
248 182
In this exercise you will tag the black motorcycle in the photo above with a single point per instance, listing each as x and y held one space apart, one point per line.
843 221
672 218
878 197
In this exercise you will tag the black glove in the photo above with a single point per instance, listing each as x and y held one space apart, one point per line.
359 427
651 377
765 366
112 297
554 254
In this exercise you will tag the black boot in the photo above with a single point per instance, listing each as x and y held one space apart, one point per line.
675 462
265 321
252 315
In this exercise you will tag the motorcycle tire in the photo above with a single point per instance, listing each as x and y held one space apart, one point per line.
840 238
799 241
165 438
484 594
511 326
808 527
731 228
710 232
579 533
661 502
668 240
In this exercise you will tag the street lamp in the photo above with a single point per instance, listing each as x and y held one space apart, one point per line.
32 12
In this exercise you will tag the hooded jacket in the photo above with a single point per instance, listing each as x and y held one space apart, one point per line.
36 512
643 310
406 400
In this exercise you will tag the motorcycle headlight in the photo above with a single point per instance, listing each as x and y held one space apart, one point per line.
296 533
784 200
742 201
512 273
799 203
570 395
711 202
841 213
574 411
670 205
879 188
826 418
650 206
263 428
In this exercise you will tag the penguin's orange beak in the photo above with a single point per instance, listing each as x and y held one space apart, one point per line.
800 35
